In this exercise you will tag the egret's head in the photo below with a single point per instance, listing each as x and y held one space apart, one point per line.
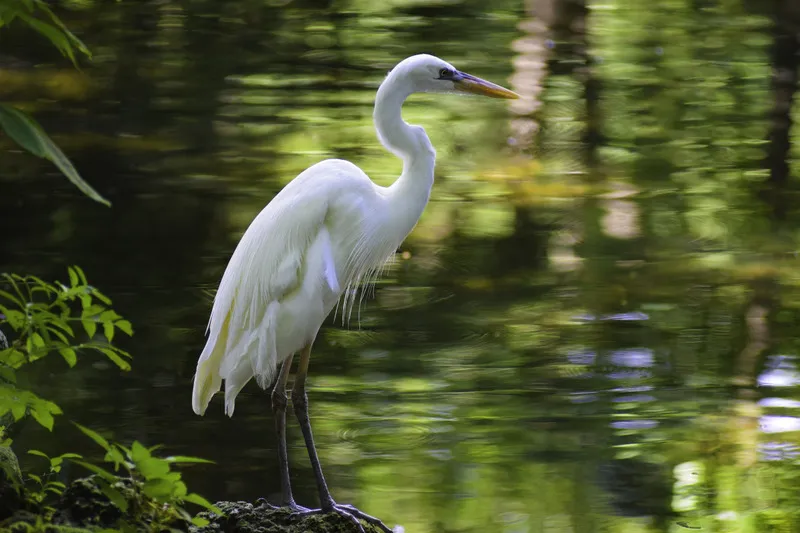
427 73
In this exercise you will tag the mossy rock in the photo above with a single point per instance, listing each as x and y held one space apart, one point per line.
11 499
84 504
243 517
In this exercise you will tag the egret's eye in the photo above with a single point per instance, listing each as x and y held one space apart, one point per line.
445 74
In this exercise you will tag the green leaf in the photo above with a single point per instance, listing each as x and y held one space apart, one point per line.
28 134
186 459
94 436
40 409
199 521
180 490
38 341
102 297
93 311
114 495
69 356
139 452
12 298
159 489
152 468
173 477
15 318
23 130
57 332
38 453
113 355
18 411
108 330
73 276
90 326
109 315
125 326
7 373
103 473
81 274
114 456
64 326
56 37
44 417
13 358
202 502
73 40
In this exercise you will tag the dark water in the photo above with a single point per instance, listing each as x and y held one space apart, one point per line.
594 326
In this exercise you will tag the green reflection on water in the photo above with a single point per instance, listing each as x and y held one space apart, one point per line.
593 327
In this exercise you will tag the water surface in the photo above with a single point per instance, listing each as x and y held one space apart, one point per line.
593 327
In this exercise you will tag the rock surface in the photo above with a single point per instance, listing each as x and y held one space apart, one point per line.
243 517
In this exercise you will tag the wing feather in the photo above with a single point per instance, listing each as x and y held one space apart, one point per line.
266 269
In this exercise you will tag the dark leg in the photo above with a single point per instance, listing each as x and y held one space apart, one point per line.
279 412
300 404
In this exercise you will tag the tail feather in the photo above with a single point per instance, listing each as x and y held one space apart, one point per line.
207 379
236 354
235 382
264 360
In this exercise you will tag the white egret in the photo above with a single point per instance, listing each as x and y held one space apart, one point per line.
327 231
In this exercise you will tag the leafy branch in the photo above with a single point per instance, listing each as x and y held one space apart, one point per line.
31 13
21 127
44 484
41 316
159 491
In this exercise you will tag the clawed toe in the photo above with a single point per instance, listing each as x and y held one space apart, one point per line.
298 508
349 512
365 517
292 506
336 509
262 502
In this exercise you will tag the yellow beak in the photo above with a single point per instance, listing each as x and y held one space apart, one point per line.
473 84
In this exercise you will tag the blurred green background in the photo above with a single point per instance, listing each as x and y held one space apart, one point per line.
593 328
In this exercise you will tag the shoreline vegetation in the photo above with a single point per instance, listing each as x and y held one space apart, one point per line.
83 507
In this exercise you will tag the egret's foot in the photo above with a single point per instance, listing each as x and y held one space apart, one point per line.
262 502
350 513
296 508
291 505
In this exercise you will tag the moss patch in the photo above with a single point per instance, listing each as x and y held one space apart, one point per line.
243 517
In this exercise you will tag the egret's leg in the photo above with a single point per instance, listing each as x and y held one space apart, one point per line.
279 412
300 405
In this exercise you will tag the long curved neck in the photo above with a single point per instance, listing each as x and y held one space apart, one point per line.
409 143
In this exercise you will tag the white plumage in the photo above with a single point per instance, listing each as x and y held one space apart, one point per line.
328 230
324 232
